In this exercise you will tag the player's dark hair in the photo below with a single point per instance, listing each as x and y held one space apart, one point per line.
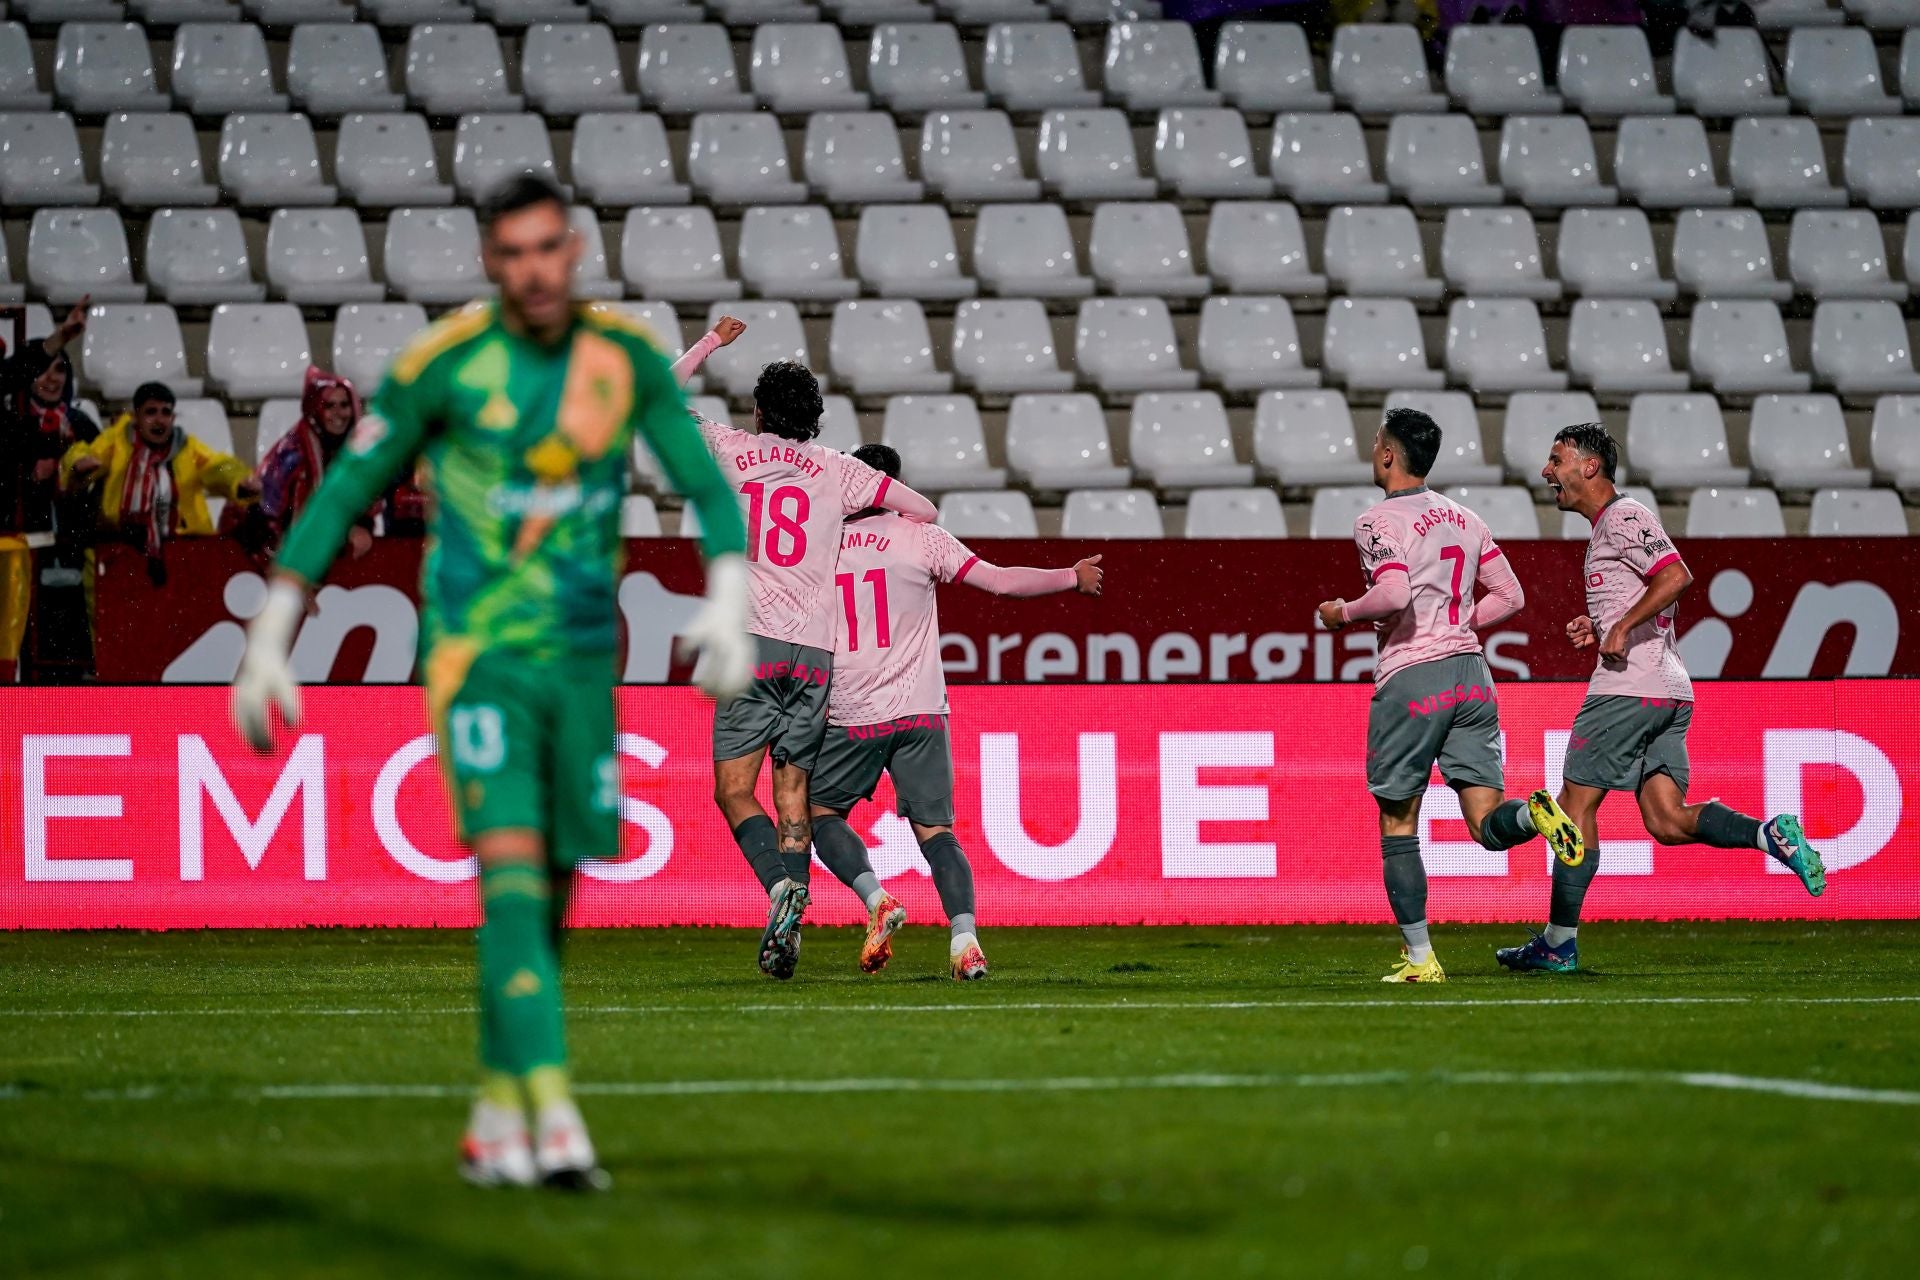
1418 437
1593 440
788 397
147 391
523 191
883 458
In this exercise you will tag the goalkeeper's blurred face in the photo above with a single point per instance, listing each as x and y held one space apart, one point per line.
531 254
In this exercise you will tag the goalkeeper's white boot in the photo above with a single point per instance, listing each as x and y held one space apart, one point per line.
564 1153
497 1151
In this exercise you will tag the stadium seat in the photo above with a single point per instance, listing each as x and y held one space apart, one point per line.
335 68
751 13
1735 513
519 13
1574 526
1181 440
571 68
11 290
1461 459
1089 155
381 161
1910 255
1800 442
1205 153
489 150
1723 253
1835 71
1250 344
1620 345
1533 419
222 67
870 13
1375 250
980 13
591 277
773 333
1127 344
1380 67
1005 346
839 424
639 518
150 159
1549 161
621 159
1322 159
1882 159
1786 15
881 347
1026 251
1007 514
1495 71
366 336
908 251
1608 253
40 162
663 322
1235 513
739 158
1435 160
1258 246
1058 442
72 253
105 66
1741 347
1895 440
1306 438
1267 66
456 69
1662 162
1035 66
941 442
802 66
257 350
19 79
1494 253
126 345
674 254
1839 253
853 157
1862 348
1857 513
277 417
971 156
433 256
1111 513
1608 71
1910 67
1498 345
1729 74
1506 509
1143 249
206 421
1374 344
1677 441
788 252
1150 66
1780 164
198 257
319 257
1336 508
919 66
271 161
1883 15
688 67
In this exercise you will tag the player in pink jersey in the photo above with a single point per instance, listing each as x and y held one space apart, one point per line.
887 708
1631 733
795 494
1434 698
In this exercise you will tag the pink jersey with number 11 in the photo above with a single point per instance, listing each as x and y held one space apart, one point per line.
886 657
1440 546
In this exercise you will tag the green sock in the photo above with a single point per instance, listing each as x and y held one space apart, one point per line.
520 1018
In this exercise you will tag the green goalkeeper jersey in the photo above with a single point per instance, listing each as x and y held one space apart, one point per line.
523 450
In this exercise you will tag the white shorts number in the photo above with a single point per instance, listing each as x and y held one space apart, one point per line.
479 738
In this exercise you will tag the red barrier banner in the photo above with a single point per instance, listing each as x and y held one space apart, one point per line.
1245 805
1173 611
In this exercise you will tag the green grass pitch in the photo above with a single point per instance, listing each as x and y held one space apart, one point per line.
1711 1100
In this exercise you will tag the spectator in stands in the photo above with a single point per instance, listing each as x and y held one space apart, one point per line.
292 468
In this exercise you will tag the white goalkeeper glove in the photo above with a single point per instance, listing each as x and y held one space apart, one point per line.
265 679
717 637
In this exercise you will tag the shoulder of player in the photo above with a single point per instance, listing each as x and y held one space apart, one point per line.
443 336
605 318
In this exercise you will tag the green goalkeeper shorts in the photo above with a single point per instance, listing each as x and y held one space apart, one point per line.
528 744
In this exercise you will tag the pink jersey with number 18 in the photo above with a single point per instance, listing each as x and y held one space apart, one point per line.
1440 546
886 656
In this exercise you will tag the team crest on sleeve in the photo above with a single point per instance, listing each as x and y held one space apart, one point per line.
1373 547
367 434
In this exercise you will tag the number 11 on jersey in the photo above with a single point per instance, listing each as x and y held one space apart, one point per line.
876 580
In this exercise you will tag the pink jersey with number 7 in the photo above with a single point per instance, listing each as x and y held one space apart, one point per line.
1440 546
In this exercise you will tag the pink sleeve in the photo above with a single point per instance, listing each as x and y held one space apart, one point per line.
689 364
896 497
1389 595
1504 597
1008 581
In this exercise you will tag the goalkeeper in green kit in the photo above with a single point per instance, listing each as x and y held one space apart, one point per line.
520 413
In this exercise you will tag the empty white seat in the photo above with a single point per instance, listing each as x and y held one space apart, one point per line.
1267 66
773 333
1380 67
1862 348
456 69
1374 344
1608 71
1857 513
75 252
1677 441
1153 65
1506 509
1727 75
663 322
908 251
1322 159
19 80
867 13
1494 253
319 256
1608 253
256 350
1498 344
881 346
854 158
591 276
1307 438
366 335
206 421
1574 526
489 150
1533 419
1006 514
567 68
105 66
127 345
151 158
1549 160
1127 344
1461 459
1800 442
1882 159
1035 66
738 157
1910 255
1235 513
334 68
1839 253
1005 345
1181 440
1258 246
1026 250
271 160
1780 164
639 518
979 13
1616 345
1884 15
1143 249
1910 67
675 254
1060 442
971 156
1662 162
1786 15
1895 440
621 159
1250 344
1205 153
1723 253
1375 249
918 66
1495 71
941 442
802 66
1835 71
1089 155
1735 513
1111 513
839 424
1741 346
277 417
10 289
688 67
433 256
1337 507
385 160
220 67
750 13
1436 160
197 257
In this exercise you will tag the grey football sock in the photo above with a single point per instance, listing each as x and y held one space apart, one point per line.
759 842
1570 889
1406 878
1508 825
1725 828
844 853
961 925
952 876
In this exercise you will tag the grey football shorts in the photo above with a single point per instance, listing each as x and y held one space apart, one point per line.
785 708
1620 741
914 750
1441 711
